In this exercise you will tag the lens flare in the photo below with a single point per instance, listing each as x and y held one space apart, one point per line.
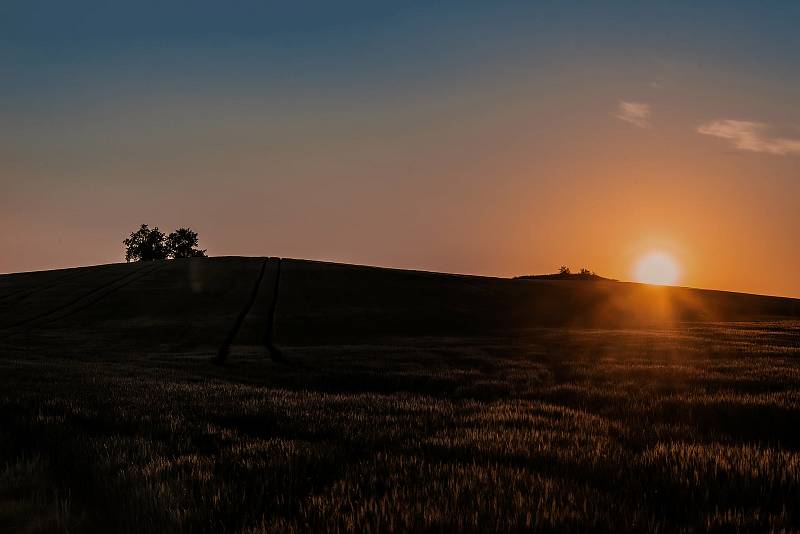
657 268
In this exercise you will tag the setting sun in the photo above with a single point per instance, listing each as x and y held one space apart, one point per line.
657 268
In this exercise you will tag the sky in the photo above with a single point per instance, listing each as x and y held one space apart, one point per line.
493 138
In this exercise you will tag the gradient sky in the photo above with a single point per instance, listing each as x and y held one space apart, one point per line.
495 138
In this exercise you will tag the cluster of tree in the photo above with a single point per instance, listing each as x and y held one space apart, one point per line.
564 273
584 271
148 244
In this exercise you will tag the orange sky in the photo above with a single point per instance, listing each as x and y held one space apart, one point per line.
487 149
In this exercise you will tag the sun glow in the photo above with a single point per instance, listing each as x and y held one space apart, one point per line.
657 268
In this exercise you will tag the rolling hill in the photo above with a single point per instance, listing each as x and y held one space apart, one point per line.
195 303
394 401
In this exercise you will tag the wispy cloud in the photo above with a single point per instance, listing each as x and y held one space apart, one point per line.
752 136
635 113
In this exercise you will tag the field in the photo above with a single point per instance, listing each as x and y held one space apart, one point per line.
398 401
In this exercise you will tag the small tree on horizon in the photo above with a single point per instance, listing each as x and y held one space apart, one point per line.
182 242
586 271
563 270
145 244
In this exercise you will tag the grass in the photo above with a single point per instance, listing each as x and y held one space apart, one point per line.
28 500
417 426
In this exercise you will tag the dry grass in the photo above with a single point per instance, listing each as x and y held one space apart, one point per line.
696 428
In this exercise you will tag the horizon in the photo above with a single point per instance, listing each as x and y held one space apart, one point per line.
486 140
520 276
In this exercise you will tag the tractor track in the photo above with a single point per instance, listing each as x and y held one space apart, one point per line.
25 293
225 348
269 339
82 302
275 353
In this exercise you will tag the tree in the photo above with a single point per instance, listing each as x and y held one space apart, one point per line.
145 244
586 271
563 270
182 242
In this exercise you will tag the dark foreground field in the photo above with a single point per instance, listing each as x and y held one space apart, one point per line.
401 401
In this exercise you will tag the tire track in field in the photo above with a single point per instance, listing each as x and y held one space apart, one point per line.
85 300
225 348
269 339
25 293
99 297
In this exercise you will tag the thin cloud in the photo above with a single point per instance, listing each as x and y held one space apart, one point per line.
751 136
635 113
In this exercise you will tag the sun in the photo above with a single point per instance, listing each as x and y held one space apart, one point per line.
658 268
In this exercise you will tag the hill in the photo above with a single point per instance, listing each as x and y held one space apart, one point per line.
393 401
195 303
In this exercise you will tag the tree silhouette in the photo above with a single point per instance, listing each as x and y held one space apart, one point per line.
145 244
585 271
563 270
182 242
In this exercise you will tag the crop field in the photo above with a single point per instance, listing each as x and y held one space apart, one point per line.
397 401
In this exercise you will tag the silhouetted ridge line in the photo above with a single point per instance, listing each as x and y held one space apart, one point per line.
77 300
225 348
274 352
565 276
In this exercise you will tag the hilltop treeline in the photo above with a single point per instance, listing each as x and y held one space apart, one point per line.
149 244
564 273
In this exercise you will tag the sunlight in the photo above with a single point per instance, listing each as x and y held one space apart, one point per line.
657 268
